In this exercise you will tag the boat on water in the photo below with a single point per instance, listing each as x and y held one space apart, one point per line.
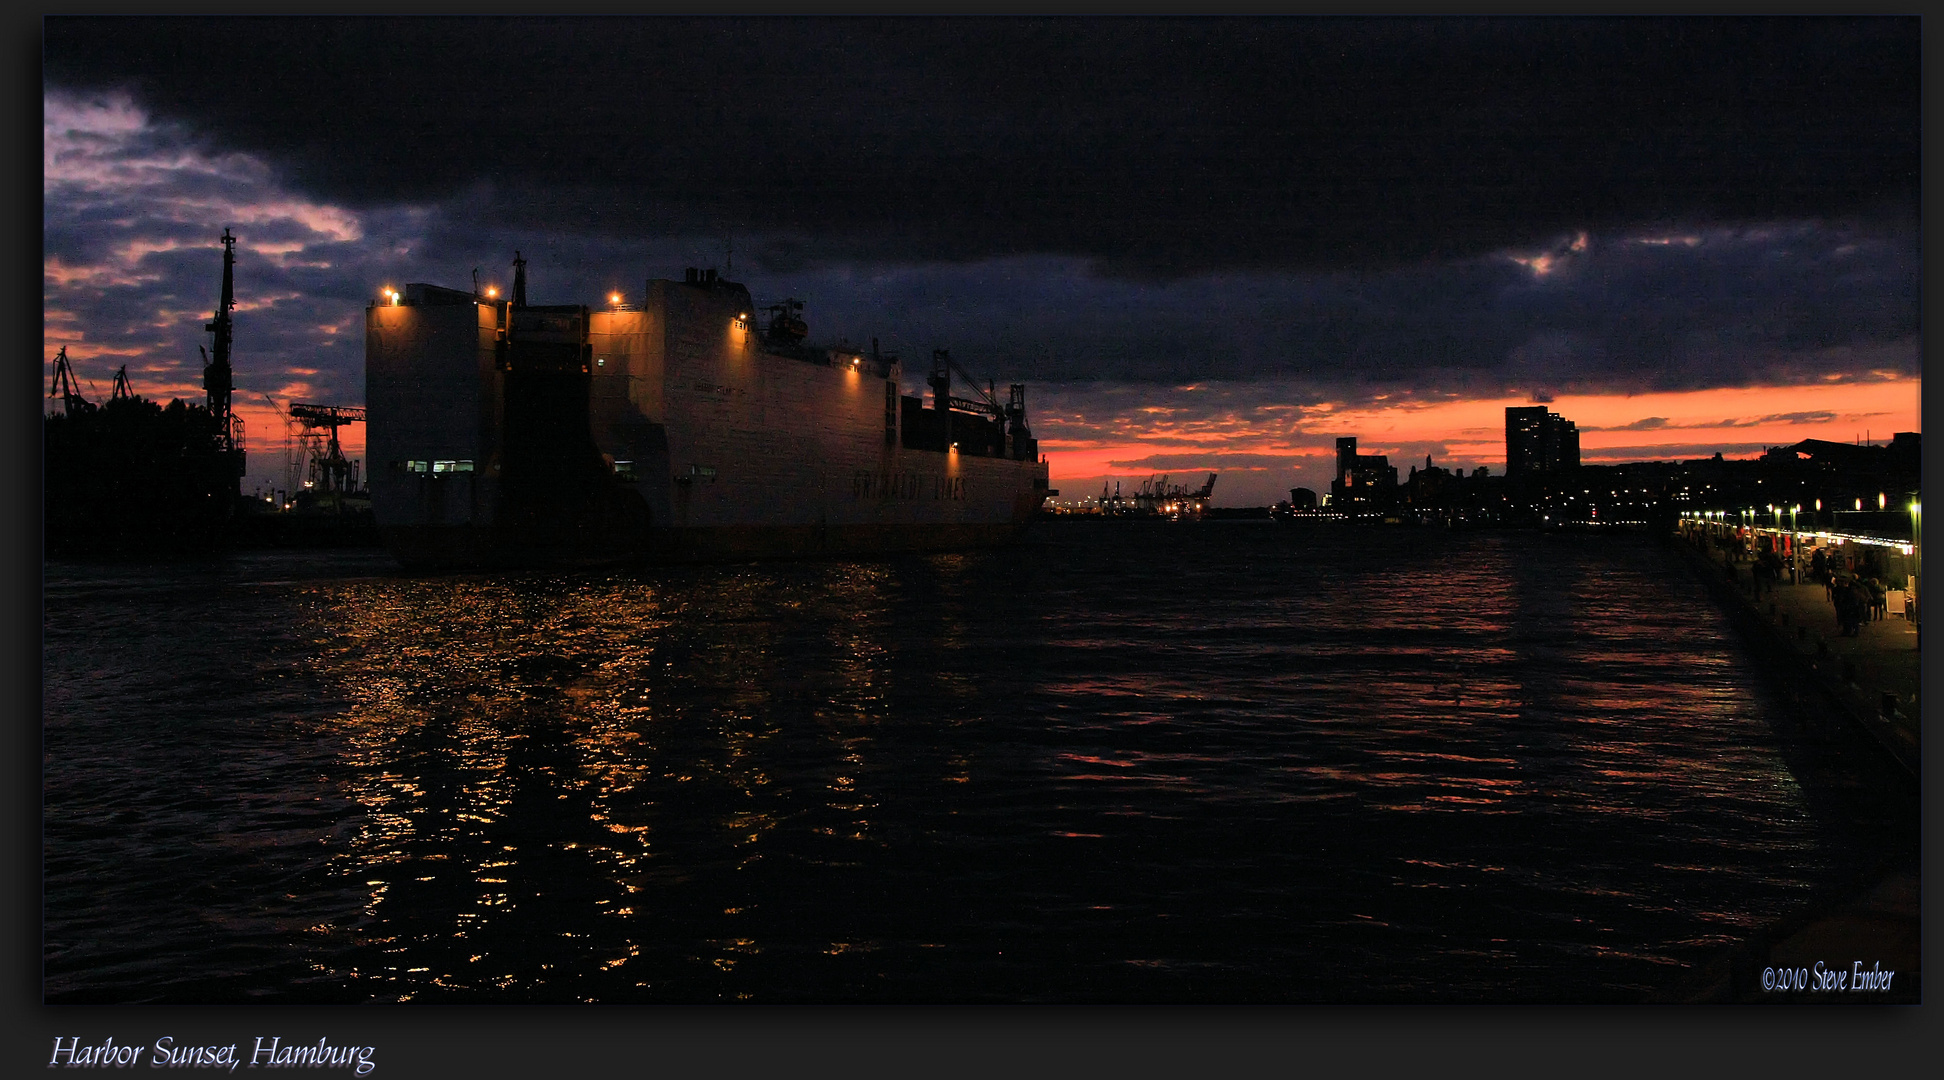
676 429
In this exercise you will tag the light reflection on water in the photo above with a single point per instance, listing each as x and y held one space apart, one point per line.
1281 767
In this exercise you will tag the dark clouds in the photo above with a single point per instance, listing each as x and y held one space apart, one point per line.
131 216
1660 423
1156 146
1226 234
1674 451
1625 313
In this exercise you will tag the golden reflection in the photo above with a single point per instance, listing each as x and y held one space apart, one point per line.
859 646
839 948
446 694
701 715
445 690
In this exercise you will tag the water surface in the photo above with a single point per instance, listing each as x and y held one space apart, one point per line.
1224 763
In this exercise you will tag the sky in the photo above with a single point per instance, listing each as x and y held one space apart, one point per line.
1206 245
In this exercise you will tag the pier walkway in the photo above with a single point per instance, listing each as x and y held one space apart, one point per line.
1873 679
1873 676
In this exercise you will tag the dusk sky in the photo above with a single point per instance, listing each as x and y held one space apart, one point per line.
1205 245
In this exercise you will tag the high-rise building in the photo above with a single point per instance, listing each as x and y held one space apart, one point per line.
1539 441
1363 481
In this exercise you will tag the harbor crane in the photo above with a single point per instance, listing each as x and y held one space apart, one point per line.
290 439
330 471
1011 416
219 380
1158 498
64 386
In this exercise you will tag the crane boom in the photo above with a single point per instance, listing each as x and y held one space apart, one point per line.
327 414
71 400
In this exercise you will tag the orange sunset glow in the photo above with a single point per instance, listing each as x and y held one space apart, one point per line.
1299 449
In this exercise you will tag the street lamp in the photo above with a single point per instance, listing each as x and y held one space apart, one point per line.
1795 543
1917 564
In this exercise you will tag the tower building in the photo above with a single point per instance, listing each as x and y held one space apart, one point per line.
1364 482
1539 441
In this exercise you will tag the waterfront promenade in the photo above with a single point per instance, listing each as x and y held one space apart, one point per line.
1872 676
1873 680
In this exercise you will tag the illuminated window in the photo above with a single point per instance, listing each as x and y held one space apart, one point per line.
444 466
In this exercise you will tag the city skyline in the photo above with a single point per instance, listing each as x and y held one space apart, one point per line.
1317 228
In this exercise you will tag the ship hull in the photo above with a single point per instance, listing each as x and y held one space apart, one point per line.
663 433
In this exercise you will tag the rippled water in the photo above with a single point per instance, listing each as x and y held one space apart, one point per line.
1228 763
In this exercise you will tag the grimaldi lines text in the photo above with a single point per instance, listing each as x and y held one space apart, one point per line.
689 426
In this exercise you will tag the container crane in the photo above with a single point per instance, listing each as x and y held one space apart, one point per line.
64 387
330 471
290 438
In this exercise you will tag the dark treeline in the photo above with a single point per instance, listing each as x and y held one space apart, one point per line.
133 477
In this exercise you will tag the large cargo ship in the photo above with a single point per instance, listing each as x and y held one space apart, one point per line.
690 426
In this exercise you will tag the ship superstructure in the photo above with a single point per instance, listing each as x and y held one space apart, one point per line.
684 427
